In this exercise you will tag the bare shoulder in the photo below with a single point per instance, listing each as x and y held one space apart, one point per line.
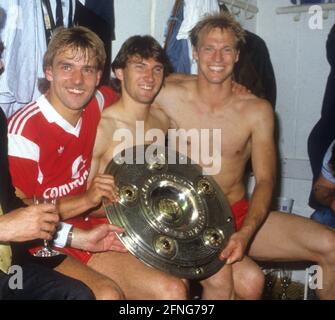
256 108
173 91
106 127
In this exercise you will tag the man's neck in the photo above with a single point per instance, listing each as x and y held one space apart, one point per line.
213 94
136 111
71 116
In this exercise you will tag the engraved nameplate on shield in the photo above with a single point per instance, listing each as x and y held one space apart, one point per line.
175 218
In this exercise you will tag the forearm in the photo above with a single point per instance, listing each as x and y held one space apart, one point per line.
78 240
72 206
5 232
259 207
68 236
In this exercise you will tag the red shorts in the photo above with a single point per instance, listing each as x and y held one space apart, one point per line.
240 210
85 223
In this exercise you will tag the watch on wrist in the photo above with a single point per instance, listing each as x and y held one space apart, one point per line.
69 238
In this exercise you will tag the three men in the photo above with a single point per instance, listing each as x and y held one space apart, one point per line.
246 125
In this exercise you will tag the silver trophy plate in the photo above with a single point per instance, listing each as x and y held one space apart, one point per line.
175 218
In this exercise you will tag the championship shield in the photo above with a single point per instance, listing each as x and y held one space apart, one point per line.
175 218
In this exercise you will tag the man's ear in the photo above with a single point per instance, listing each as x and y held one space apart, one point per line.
99 74
195 54
48 73
119 74
237 55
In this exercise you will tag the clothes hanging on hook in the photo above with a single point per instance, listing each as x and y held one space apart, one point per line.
254 68
177 50
24 39
194 10
57 14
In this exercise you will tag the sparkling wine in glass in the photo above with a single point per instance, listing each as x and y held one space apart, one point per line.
45 251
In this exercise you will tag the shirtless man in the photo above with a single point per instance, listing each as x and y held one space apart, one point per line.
246 125
140 68
140 73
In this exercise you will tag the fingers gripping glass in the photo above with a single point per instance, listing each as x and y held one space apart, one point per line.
46 251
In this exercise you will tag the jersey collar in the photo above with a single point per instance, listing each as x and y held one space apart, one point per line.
52 116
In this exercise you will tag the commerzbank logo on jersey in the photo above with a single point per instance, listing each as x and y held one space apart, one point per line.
79 175
78 166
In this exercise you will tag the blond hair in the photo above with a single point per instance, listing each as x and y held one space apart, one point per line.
79 39
222 20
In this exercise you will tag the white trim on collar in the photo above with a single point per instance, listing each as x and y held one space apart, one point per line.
52 116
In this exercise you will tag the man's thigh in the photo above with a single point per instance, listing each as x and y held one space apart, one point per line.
41 283
288 237
137 280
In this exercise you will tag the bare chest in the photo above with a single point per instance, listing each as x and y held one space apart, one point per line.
226 131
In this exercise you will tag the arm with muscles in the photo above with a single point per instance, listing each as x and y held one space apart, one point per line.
71 206
101 148
33 222
263 163
324 191
101 186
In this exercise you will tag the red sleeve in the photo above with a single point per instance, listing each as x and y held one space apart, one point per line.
24 174
23 155
110 96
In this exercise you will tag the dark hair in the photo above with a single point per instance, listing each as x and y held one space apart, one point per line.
223 20
331 162
144 47
76 38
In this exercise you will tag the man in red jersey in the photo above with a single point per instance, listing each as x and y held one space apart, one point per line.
50 146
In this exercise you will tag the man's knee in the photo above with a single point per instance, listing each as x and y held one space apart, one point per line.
108 290
171 289
326 245
253 285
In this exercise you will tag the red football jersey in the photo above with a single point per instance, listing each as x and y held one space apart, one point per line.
47 155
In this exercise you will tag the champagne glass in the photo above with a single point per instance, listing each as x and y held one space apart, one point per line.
285 281
46 251
271 276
